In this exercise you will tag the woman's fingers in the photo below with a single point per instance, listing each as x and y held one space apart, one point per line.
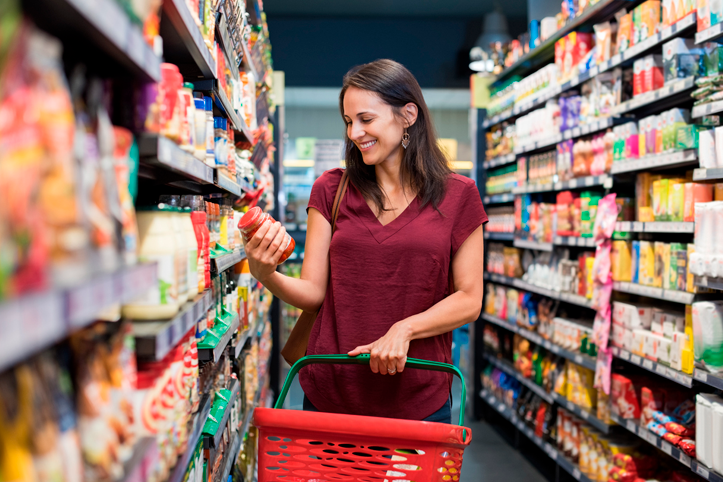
269 236
401 362
279 245
360 350
258 236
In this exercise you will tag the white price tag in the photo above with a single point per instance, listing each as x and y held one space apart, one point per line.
501 407
553 454
584 414
700 470
572 183
700 376
648 364
630 425
661 370
590 180
667 448
570 406
651 437
576 474
635 359
578 359
684 459
594 71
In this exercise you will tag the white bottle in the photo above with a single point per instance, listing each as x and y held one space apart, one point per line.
182 249
157 244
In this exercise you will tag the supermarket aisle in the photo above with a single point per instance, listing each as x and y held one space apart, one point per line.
490 458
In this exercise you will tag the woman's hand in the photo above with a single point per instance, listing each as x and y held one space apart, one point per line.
388 353
265 249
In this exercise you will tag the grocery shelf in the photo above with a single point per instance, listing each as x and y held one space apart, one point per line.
708 282
657 368
226 45
574 241
577 183
499 236
232 453
160 151
510 370
656 161
499 161
545 51
36 321
541 144
224 104
183 42
198 421
711 33
526 244
652 292
708 174
577 358
524 285
115 41
654 227
507 197
667 92
582 413
634 427
705 472
584 130
154 339
701 376
248 334
707 109
551 451
225 261
248 62
226 183
217 338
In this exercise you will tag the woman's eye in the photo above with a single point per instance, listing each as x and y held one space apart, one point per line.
366 121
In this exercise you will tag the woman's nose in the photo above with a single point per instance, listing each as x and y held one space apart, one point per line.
356 132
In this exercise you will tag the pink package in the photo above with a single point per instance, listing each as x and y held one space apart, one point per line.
603 370
607 215
601 293
601 328
601 267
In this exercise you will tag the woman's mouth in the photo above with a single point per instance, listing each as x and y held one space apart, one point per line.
365 146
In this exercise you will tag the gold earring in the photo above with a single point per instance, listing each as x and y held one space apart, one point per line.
405 138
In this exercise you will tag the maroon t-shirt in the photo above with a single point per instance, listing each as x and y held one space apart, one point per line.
379 276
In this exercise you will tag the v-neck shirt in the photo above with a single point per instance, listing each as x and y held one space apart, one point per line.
379 275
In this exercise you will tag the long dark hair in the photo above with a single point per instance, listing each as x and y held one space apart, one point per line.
425 168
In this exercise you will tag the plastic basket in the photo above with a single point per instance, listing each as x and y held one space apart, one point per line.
299 446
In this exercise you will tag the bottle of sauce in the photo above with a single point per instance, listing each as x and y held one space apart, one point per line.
254 219
199 139
210 144
193 250
157 244
188 116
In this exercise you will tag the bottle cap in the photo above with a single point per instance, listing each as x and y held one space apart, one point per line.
188 85
249 218
199 104
218 123
208 103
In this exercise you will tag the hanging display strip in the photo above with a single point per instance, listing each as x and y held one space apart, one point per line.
665 160
109 20
577 358
510 370
582 182
551 451
634 427
654 227
657 368
500 236
224 262
499 161
154 339
182 20
652 292
159 150
524 285
499 198
642 100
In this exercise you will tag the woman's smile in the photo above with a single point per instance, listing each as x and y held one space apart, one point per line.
365 146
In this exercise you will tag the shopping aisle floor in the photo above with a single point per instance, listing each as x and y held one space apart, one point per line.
490 458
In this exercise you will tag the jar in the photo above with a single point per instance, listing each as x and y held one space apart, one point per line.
254 219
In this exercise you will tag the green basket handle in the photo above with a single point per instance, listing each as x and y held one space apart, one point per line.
364 360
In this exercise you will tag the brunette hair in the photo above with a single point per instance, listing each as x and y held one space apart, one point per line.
425 168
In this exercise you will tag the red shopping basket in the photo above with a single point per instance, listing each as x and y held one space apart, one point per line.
298 446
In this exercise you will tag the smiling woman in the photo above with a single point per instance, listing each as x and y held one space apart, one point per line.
403 268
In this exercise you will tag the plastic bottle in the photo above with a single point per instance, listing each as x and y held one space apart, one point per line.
192 245
221 143
254 219
223 225
210 144
199 139
198 219
157 244
230 222
188 116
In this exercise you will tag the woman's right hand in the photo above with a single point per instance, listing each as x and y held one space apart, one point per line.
264 250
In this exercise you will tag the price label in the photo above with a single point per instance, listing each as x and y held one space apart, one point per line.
572 183
630 425
635 359
553 454
501 407
576 474
578 359
700 376
661 370
684 459
584 414
700 470
594 71
667 448
570 406
648 364
651 438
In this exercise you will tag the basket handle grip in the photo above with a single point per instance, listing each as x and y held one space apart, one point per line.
364 360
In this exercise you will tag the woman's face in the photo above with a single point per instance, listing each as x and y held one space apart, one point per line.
372 126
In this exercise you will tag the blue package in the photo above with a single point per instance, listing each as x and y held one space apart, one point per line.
635 262
534 34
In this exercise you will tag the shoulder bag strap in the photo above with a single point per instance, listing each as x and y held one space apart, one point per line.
337 200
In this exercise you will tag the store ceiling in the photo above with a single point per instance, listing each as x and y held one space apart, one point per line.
394 8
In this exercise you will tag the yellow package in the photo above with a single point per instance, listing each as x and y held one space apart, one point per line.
676 200
621 260
690 279
718 192
659 263
646 267
603 406
585 442
665 259
603 459
643 187
688 356
589 263
660 199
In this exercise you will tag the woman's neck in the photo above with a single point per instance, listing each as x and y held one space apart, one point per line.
388 172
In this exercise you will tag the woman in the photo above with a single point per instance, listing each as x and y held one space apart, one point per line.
381 283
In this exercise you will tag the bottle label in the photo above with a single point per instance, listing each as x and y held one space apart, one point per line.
192 267
166 289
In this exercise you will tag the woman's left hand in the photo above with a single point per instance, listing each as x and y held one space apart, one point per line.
388 353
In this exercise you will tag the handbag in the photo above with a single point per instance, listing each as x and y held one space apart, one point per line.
298 342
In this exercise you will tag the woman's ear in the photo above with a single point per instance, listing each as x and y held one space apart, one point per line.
410 112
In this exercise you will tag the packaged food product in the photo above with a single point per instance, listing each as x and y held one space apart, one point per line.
254 219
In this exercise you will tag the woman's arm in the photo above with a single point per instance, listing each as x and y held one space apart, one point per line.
265 248
462 307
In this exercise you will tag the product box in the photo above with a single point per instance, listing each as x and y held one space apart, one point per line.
676 350
680 59
625 33
703 14
690 279
577 45
659 263
682 277
646 267
657 325
560 55
625 397
638 77
649 19
638 346
716 12
663 350
628 340
675 118
618 335
652 399
653 78
706 148
667 265
635 263
621 260
649 346
676 199
660 199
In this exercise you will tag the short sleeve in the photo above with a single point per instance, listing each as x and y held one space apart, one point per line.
323 192
469 216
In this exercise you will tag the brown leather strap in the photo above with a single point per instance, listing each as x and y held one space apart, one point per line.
337 200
